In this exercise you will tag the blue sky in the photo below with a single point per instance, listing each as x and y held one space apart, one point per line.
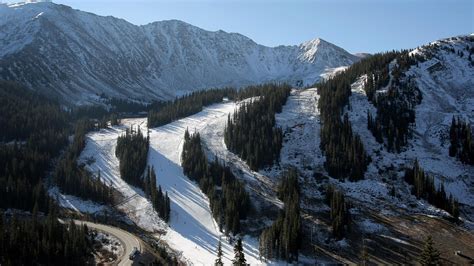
357 26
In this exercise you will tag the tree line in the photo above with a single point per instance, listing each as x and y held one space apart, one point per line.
340 212
159 200
461 143
251 132
343 149
396 105
282 239
162 113
229 202
186 105
74 179
132 152
34 130
43 241
424 188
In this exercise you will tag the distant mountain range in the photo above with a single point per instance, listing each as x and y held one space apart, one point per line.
74 56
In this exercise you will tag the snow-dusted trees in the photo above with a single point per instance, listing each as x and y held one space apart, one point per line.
395 107
344 151
228 199
251 132
282 239
462 144
424 187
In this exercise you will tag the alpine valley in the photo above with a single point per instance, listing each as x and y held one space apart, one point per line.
166 144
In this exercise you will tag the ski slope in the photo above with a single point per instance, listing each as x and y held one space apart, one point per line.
192 231
192 228
100 149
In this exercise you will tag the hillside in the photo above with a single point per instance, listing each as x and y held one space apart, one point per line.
75 56
361 167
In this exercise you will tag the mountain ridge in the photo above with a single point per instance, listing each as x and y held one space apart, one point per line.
75 55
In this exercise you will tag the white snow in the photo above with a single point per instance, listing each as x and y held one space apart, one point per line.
109 243
192 231
83 54
446 91
192 228
75 203
101 147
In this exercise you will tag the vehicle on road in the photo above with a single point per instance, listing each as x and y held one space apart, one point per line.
135 252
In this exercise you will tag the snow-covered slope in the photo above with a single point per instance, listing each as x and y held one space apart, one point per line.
192 231
74 55
446 83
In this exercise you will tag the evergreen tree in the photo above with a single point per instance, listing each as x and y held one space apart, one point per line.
33 241
218 261
430 255
74 179
461 143
132 151
229 202
424 188
251 132
340 214
239 257
282 239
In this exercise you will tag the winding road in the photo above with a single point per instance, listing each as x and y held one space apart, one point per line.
128 240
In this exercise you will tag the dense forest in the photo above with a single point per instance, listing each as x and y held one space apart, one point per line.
424 188
344 151
74 179
34 130
251 132
132 152
395 106
228 199
282 239
461 141
42 241
345 154
340 212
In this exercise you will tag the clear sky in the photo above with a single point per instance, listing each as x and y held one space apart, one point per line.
357 26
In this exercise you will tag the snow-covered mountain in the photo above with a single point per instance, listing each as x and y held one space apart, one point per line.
75 55
446 83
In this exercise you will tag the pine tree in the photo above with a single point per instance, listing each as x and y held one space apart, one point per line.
239 257
430 255
218 261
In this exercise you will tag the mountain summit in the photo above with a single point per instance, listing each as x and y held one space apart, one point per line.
74 55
